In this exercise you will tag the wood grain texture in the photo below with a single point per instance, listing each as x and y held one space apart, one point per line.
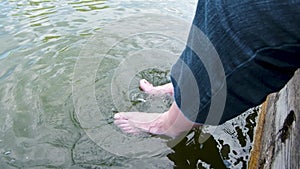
277 136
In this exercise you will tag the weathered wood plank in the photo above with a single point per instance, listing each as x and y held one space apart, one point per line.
277 137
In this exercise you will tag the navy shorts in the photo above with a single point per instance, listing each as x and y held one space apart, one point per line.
237 53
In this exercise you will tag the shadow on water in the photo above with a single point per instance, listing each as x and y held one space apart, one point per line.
190 154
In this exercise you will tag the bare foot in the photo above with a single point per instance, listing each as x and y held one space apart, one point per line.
171 123
139 122
147 87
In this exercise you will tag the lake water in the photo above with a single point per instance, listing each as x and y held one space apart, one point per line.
62 67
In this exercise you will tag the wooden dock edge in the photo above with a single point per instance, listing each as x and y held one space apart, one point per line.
276 142
256 148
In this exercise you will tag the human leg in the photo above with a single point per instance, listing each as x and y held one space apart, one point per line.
258 44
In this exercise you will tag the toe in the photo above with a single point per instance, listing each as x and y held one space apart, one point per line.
119 116
120 122
124 125
144 84
132 131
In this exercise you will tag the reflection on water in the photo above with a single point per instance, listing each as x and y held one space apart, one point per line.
40 41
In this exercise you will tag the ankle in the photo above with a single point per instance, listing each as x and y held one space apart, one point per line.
178 122
159 125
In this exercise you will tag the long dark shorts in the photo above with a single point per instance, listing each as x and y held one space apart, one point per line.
257 44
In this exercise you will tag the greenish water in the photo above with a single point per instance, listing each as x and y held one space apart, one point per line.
40 43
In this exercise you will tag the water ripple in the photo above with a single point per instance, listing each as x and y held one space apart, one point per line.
7 73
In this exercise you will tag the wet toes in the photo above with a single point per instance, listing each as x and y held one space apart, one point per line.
144 84
126 128
119 116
